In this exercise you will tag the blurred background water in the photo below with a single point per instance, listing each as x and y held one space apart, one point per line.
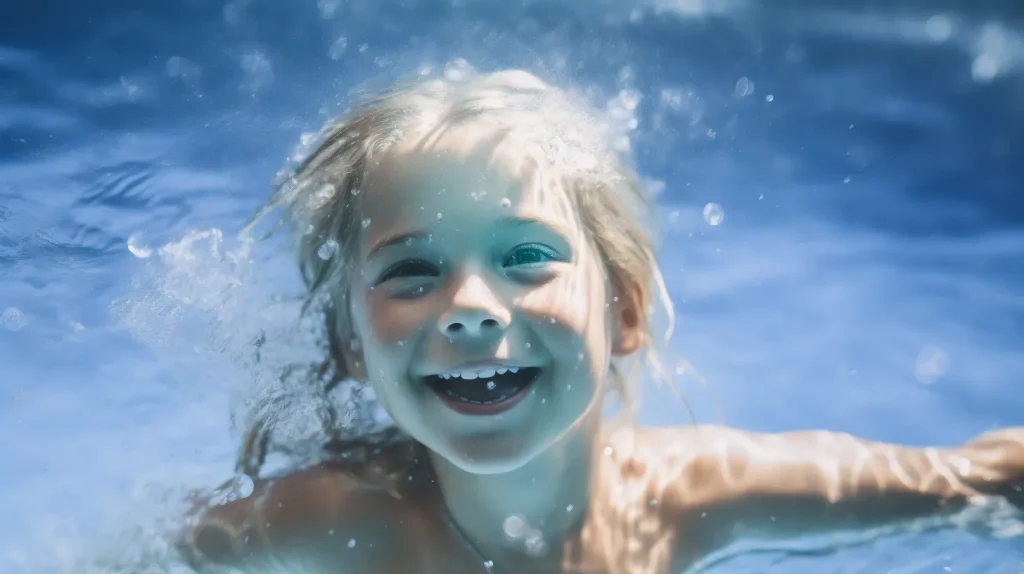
838 185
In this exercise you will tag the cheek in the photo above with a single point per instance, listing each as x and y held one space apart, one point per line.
392 321
576 298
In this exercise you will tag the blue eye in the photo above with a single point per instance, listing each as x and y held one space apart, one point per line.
530 254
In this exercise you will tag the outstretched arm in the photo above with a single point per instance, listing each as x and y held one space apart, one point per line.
738 484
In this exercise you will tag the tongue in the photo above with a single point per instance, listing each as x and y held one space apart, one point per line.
490 390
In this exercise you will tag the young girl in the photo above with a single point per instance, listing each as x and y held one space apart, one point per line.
489 275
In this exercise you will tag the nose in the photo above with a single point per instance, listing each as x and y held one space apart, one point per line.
476 311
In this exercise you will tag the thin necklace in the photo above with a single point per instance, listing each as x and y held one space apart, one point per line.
464 538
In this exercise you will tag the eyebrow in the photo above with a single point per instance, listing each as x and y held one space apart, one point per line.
513 221
398 239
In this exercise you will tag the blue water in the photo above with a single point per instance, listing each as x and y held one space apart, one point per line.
868 275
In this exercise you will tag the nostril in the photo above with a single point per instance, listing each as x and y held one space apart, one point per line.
489 323
454 327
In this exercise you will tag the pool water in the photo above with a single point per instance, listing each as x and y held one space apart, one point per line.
838 186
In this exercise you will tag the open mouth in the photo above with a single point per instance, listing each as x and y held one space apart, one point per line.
483 391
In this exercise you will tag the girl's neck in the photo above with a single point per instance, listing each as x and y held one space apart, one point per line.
527 511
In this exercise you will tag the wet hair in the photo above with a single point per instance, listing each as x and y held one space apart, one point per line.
550 128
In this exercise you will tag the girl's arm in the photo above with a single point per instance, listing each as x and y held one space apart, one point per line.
734 484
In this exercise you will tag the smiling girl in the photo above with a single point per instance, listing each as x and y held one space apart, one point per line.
492 279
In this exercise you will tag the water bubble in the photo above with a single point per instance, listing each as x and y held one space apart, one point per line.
932 364
939 28
514 527
338 48
569 508
608 451
769 98
366 223
321 196
985 67
527 345
713 214
439 216
330 532
744 87
327 250
457 70
491 386
351 542
535 545
137 246
243 486
488 564
505 202
13 319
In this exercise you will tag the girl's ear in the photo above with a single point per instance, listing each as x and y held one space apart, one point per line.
628 330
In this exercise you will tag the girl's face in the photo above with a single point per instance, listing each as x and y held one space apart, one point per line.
484 315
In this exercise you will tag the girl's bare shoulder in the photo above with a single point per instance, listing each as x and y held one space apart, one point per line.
674 466
338 505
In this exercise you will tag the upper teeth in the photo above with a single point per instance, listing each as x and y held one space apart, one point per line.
478 373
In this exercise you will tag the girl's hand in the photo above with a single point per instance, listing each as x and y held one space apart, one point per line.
999 456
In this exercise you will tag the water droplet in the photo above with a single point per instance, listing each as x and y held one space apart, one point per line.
552 320
366 223
652 502
568 508
713 214
327 250
505 202
527 345
351 542
356 191
439 216
608 451
769 98
491 386
744 87
13 319
488 564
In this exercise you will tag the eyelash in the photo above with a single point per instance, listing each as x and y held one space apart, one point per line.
550 254
401 269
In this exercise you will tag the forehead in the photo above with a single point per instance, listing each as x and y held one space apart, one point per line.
466 173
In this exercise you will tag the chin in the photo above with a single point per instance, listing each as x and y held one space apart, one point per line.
490 455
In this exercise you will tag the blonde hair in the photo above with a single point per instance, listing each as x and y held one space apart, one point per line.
559 132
